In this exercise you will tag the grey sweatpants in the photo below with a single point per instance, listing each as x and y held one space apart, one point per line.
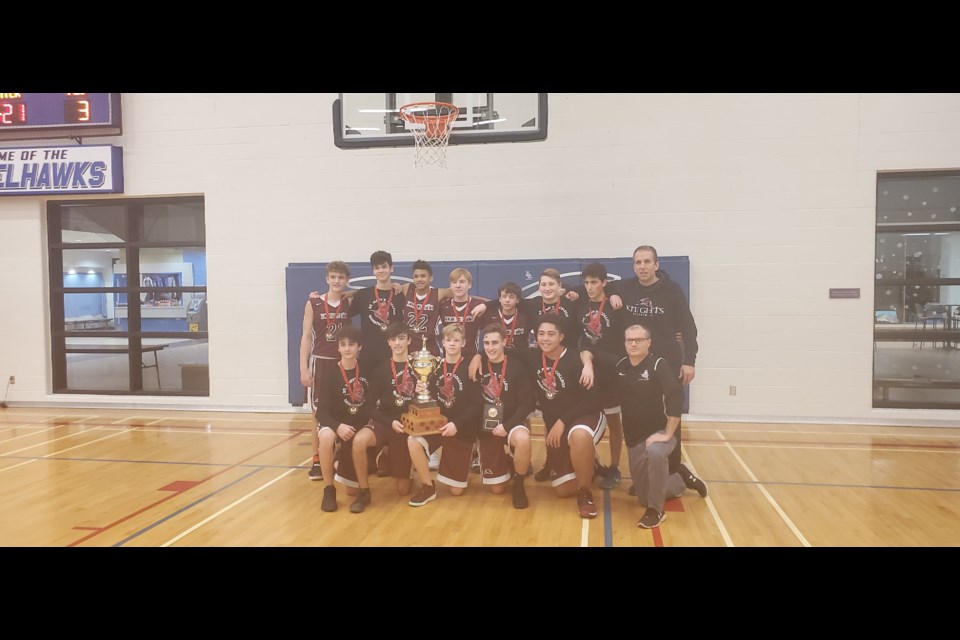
649 468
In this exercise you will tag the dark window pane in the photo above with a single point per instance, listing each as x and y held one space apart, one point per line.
89 223
173 222
918 200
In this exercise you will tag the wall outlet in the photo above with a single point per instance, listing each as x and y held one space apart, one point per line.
13 380
733 389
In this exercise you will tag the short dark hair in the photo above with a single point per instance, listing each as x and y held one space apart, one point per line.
397 328
379 257
509 287
494 327
595 270
646 247
349 332
422 264
552 318
338 266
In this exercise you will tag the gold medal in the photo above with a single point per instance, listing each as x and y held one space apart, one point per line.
399 401
383 328
492 412
352 409
551 394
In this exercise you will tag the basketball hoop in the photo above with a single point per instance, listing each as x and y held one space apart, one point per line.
430 123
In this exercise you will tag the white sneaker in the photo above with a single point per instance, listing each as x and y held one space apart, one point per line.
434 461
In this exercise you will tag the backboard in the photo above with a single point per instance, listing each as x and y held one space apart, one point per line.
365 120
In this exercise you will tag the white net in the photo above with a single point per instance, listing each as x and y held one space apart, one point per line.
430 124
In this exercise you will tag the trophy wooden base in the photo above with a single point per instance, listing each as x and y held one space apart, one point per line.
422 421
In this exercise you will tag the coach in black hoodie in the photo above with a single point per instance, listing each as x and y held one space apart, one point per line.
658 303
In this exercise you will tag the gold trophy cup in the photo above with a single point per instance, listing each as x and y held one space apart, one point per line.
423 417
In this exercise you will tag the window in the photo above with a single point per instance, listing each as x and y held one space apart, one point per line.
128 296
917 291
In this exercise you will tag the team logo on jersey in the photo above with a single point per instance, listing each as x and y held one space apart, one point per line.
645 375
447 394
645 307
551 390
491 387
404 391
353 400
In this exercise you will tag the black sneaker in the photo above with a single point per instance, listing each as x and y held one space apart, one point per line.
599 471
315 473
329 499
611 479
692 481
520 500
427 493
361 501
543 475
651 518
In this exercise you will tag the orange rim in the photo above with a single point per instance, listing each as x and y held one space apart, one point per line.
436 125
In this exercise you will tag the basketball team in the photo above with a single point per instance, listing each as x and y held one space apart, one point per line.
607 355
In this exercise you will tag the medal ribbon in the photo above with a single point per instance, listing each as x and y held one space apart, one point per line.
548 373
353 390
503 376
403 376
448 377
595 319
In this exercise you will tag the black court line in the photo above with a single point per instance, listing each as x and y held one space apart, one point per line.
182 509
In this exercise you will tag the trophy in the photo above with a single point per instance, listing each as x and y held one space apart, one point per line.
423 418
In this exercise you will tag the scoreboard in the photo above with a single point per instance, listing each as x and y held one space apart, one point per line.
32 116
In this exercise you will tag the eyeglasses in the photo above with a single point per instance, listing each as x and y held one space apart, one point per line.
636 340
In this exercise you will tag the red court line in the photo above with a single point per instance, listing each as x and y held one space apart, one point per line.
657 538
175 494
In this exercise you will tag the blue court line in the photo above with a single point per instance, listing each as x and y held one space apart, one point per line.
182 509
607 519
188 464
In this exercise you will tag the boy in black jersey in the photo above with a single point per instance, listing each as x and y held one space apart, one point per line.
571 413
505 381
342 410
459 400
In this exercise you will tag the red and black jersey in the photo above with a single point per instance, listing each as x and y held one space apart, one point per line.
344 397
328 318
420 315
459 312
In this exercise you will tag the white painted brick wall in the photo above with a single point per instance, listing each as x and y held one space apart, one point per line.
771 195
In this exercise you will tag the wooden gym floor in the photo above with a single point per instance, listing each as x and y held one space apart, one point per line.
144 478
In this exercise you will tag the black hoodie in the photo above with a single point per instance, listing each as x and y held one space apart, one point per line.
662 308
